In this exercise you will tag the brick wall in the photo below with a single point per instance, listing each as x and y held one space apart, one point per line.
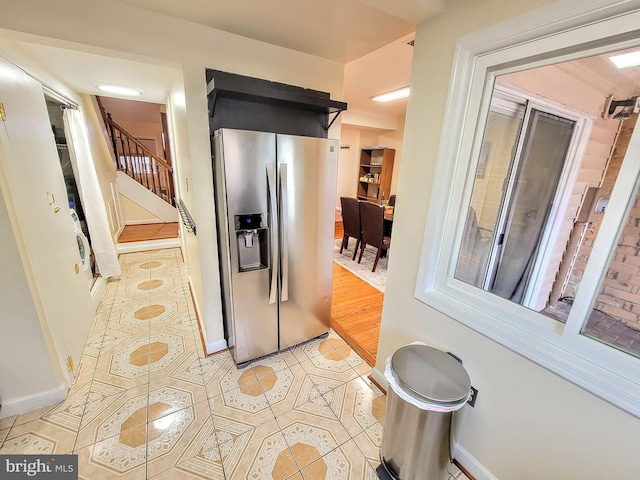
619 296
620 293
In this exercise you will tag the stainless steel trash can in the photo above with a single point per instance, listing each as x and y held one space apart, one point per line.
426 387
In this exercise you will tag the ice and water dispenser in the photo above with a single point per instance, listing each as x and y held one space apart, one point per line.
252 241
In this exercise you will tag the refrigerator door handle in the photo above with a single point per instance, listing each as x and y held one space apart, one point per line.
273 234
284 236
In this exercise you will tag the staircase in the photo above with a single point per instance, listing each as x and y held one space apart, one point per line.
138 162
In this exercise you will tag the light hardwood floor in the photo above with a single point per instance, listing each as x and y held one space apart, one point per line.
356 310
150 231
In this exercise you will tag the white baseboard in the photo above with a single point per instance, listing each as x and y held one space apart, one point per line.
144 222
216 346
16 406
473 466
378 376
130 247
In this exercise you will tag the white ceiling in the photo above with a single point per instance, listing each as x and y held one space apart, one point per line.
601 72
142 112
339 30
370 34
83 72
384 70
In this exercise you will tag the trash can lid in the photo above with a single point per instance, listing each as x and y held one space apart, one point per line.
431 374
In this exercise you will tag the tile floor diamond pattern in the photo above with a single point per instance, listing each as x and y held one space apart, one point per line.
143 286
273 459
159 311
149 404
308 442
83 405
202 457
108 341
190 370
30 443
247 397
147 355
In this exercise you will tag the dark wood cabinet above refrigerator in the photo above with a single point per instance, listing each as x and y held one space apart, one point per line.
241 102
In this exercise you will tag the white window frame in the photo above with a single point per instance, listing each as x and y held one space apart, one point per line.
562 31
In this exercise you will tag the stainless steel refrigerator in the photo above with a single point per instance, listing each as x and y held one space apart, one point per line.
275 208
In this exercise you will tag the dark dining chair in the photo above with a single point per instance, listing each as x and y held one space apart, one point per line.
372 220
351 223
392 201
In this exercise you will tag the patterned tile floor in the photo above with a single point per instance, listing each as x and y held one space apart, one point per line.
147 403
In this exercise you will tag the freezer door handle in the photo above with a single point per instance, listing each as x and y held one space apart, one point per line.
273 235
284 236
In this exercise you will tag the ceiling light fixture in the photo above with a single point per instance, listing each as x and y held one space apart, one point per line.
119 90
626 60
391 96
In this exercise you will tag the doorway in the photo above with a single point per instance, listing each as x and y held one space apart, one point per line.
358 292
530 191
55 110
525 167
356 308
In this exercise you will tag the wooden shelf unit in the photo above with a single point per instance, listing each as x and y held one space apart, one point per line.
376 162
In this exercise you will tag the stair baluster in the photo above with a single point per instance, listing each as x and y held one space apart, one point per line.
138 162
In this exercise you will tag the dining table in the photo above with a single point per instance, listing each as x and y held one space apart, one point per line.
388 221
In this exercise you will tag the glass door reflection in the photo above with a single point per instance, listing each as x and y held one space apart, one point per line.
522 159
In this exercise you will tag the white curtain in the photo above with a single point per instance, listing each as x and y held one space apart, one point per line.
91 194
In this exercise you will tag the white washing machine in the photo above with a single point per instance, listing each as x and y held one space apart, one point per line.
76 220
83 248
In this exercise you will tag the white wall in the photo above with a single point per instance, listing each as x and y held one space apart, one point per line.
348 162
134 214
140 119
528 423
22 342
133 33
358 137
103 160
